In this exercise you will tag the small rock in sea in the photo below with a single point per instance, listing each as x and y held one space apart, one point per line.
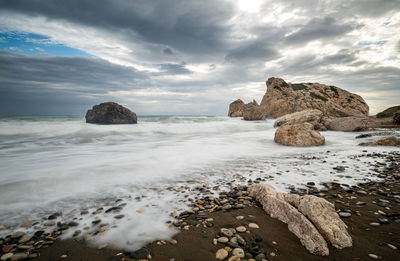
373 256
221 254
95 222
173 242
253 225
383 220
54 216
238 252
142 253
226 232
6 256
25 238
73 224
392 246
119 216
374 224
17 234
241 229
344 214
76 233
50 224
102 246
222 240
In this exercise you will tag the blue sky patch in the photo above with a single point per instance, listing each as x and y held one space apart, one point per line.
27 43
380 43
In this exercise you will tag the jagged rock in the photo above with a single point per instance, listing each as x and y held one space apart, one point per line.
389 112
236 108
310 116
299 135
253 112
386 141
284 98
323 215
110 113
298 224
396 118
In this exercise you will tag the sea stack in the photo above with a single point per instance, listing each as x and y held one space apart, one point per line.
110 113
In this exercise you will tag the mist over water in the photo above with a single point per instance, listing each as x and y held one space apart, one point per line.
50 164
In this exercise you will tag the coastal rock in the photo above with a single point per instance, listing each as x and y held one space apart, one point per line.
253 112
284 98
353 123
299 135
298 224
310 116
236 108
396 118
110 113
386 141
390 112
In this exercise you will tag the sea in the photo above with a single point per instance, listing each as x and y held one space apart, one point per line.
64 165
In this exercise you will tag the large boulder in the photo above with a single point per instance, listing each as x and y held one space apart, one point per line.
284 98
310 116
352 123
253 112
110 113
299 135
236 108
386 141
389 112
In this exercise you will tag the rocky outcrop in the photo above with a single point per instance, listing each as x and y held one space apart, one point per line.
284 98
253 112
110 113
315 215
347 123
311 116
236 108
396 118
389 112
299 135
386 141
297 223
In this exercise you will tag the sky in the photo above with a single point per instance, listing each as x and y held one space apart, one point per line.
191 57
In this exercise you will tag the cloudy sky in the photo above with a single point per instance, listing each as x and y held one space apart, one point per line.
191 57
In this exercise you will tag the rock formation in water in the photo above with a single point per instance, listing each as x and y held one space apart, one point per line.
396 118
284 98
299 135
253 112
236 108
311 116
110 113
386 141
389 112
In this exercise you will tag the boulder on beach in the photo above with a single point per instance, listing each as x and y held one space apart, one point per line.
284 98
236 108
253 112
389 112
386 141
110 113
353 123
311 116
299 135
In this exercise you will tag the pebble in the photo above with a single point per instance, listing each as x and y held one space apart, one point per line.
238 252
6 256
7 249
63 256
17 234
373 256
392 246
174 242
222 239
240 217
253 225
119 216
344 214
374 224
226 232
102 246
25 238
221 254
241 229
19 256
383 220
234 258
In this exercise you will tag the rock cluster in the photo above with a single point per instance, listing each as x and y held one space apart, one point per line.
386 141
110 113
310 218
299 135
236 108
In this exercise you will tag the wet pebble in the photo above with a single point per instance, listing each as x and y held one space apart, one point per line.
344 214
241 229
221 254
238 252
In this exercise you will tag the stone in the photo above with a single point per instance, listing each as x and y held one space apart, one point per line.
386 141
299 135
141 253
7 248
110 113
241 229
253 225
238 252
17 234
310 116
396 118
25 238
19 256
223 240
6 256
284 98
236 108
374 224
298 224
351 123
390 112
226 232
221 254
373 256
253 112
344 214
234 258
102 246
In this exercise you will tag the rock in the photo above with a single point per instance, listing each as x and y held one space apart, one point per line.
353 123
19 256
299 135
142 253
17 234
221 254
236 108
284 98
390 112
241 229
226 232
374 224
396 118
238 252
253 112
110 113
234 258
253 225
310 116
25 238
223 240
102 246
373 256
344 214
6 256
298 224
386 141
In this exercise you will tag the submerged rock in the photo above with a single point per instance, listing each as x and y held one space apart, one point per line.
299 135
236 108
386 141
110 113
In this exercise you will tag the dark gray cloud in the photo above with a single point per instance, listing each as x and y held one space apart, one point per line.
259 50
174 68
167 51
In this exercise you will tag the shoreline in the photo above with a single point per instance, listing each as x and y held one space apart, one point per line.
200 227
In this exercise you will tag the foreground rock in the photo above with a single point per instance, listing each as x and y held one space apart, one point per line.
236 108
253 112
284 98
110 113
299 135
353 123
298 224
386 141
311 116
389 112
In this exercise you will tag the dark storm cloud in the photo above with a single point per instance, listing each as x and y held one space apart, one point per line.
256 51
167 51
319 28
174 68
